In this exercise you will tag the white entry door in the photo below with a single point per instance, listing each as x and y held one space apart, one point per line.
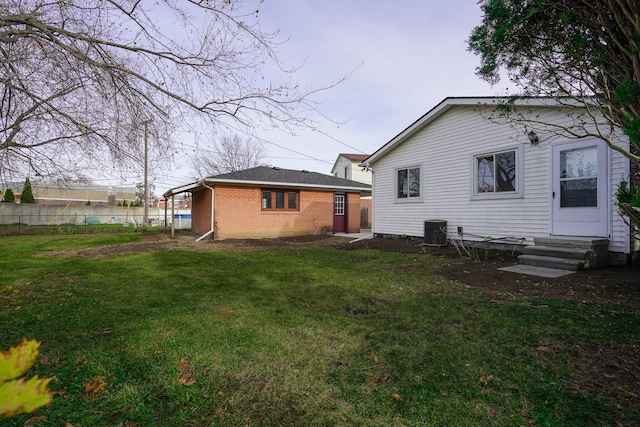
580 202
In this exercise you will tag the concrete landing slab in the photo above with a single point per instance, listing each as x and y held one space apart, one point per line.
532 270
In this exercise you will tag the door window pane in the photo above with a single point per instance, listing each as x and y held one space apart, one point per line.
579 163
579 178
339 204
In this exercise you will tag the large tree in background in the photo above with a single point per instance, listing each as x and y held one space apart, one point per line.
582 53
228 154
78 78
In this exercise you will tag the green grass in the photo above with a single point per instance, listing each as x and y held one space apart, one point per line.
311 337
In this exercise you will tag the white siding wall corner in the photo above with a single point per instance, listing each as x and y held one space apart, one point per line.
445 150
345 168
620 237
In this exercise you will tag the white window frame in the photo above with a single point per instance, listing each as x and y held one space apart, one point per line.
518 193
409 198
339 208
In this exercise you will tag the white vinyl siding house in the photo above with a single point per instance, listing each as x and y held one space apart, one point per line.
459 152
347 166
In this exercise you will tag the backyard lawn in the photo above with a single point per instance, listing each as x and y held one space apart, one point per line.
214 335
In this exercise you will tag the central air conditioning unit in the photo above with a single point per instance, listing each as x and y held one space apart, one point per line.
435 232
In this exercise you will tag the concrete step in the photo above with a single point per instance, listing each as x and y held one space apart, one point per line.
552 262
572 242
592 250
582 254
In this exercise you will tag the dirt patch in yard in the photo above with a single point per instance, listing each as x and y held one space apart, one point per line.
614 284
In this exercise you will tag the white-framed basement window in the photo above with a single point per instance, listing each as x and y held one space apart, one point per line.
408 184
498 174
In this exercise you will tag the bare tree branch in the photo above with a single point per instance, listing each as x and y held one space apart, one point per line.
228 154
80 76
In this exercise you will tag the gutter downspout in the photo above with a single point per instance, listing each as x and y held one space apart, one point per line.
210 232
367 237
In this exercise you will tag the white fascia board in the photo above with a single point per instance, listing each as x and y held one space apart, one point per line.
182 189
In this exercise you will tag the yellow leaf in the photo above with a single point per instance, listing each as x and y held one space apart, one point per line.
23 396
17 360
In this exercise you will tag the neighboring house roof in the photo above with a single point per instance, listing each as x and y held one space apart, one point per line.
354 157
359 158
266 176
446 105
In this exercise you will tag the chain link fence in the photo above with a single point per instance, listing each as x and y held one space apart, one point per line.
72 224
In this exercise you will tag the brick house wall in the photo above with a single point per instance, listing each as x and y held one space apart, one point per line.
201 211
238 214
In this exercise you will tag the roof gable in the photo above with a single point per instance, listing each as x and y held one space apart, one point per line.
353 158
442 108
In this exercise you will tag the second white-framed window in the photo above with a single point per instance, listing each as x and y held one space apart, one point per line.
408 183
498 174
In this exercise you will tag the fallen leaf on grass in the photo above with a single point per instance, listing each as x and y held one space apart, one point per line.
186 378
95 386
186 372
183 364
395 395
384 378
486 380
572 390
543 348
17 360
33 421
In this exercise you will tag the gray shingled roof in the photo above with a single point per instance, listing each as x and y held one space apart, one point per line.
267 174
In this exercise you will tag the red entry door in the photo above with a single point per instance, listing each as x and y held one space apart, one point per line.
340 213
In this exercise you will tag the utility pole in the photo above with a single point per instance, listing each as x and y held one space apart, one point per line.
145 217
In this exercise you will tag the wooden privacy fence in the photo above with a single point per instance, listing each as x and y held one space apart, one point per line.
364 216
